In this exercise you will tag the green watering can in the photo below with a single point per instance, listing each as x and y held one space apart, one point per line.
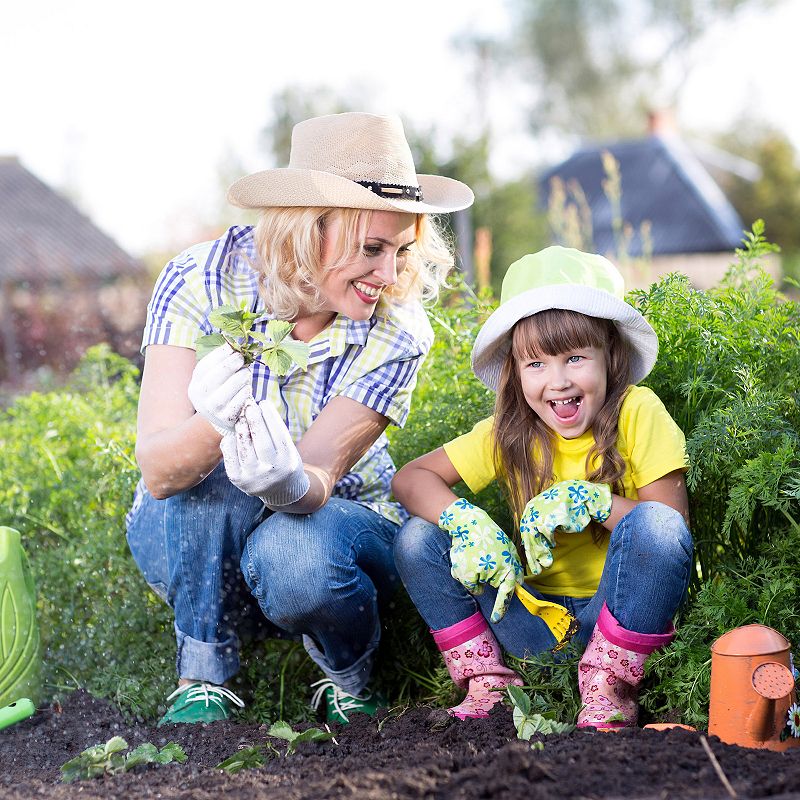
20 658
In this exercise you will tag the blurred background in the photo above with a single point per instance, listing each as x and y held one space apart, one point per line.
653 131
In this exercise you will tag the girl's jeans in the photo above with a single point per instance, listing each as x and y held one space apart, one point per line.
644 579
211 549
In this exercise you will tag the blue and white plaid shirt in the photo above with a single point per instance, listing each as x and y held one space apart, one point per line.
374 361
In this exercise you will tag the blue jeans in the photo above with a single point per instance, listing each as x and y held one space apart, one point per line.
213 552
644 580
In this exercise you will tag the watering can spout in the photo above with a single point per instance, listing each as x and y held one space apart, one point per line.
771 682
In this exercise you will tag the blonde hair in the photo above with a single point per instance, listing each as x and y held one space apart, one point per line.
523 442
289 244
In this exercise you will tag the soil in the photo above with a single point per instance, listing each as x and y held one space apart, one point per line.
415 754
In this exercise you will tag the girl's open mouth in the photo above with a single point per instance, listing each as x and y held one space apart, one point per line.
566 410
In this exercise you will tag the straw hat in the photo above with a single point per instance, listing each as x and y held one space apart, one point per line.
562 277
351 160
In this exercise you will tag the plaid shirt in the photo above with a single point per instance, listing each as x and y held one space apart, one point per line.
374 361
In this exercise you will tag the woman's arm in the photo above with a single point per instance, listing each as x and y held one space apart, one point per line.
423 485
344 430
175 447
669 490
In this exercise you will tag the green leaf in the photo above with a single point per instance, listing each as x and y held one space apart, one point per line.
208 342
277 360
282 730
246 758
172 751
279 329
145 753
519 699
116 744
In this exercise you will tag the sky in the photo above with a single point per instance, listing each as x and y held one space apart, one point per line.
133 110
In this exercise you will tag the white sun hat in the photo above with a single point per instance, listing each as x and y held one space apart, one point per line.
351 160
565 278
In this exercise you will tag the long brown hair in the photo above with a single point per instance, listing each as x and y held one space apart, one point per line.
523 442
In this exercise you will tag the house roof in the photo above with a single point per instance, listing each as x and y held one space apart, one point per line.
663 183
45 238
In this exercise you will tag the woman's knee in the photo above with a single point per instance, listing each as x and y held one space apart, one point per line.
290 578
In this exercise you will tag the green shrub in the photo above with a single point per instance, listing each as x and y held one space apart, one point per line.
728 371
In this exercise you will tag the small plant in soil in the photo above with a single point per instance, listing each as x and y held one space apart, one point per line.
245 758
529 722
109 759
282 730
276 349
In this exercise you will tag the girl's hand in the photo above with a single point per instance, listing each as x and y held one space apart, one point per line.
481 553
568 506
261 459
219 387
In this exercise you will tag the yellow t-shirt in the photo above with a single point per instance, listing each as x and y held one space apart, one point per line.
651 445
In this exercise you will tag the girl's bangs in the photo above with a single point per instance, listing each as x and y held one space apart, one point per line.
557 331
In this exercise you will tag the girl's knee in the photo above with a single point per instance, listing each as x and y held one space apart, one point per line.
660 527
416 543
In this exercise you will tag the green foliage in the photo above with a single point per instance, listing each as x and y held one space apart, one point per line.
529 722
244 758
108 759
282 730
729 373
276 349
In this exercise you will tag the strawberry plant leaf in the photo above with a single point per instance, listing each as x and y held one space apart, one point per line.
205 344
246 758
279 329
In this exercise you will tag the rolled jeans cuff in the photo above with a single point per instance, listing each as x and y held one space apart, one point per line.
289 492
352 679
212 662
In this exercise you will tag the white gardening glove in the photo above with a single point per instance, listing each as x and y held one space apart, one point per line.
261 459
219 386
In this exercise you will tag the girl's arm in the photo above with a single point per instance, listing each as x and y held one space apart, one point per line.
175 447
423 485
669 490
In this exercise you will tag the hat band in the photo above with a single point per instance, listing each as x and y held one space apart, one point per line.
394 191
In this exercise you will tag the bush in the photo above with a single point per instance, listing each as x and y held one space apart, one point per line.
729 372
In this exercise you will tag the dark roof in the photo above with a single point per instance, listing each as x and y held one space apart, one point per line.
663 183
45 238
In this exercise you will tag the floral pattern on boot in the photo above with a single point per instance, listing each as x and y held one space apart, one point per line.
477 666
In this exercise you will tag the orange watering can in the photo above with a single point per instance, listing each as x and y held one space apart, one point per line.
752 689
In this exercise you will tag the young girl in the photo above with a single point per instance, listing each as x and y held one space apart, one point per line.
593 467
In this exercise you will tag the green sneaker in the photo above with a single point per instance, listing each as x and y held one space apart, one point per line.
339 704
200 702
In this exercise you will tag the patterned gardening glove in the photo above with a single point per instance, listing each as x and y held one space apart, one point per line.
568 506
481 553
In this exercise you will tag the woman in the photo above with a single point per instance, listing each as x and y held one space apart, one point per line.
299 507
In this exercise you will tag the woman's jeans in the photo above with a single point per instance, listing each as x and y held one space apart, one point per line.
211 549
644 580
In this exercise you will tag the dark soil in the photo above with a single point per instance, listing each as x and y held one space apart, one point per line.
410 755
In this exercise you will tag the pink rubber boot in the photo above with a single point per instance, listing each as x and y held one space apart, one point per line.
610 671
475 663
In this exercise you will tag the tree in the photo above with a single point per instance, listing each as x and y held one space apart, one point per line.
599 64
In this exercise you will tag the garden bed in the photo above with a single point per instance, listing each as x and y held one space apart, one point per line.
415 754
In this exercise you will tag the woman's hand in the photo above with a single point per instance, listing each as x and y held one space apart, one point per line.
481 553
568 506
219 387
261 459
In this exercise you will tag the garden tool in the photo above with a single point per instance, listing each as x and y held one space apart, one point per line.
16 712
753 702
475 663
561 623
610 671
20 660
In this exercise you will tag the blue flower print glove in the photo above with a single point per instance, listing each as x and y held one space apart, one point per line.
481 553
568 506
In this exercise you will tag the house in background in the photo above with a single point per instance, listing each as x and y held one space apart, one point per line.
675 218
64 284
